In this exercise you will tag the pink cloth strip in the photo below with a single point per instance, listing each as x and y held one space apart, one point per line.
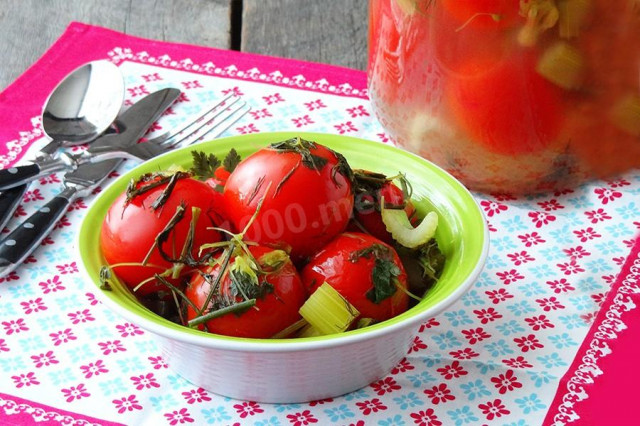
600 386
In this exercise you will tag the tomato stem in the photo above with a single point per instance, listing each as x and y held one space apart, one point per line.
240 306
405 185
148 265
143 282
230 247
290 329
255 214
166 192
149 181
407 292
164 234
256 189
285 178
187 247
495 16
370 183
360 226
216 283
175 290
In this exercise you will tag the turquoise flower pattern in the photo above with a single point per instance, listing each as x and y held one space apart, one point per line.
494 357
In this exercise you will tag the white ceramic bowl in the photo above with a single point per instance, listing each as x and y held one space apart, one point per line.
297 370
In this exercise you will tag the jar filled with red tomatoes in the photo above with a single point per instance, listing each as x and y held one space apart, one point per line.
516 96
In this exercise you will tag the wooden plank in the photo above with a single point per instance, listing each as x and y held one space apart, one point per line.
29 27
326 31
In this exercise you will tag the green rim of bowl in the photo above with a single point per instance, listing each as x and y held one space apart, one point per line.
462 230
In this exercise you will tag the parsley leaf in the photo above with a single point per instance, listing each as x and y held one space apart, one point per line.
231 161
204 166
244 285
384 275
313 161
432 260
303 147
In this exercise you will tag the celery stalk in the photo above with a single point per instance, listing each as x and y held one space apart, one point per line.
562 64
626 114
327 311
408 6
308 331
397 223
573 16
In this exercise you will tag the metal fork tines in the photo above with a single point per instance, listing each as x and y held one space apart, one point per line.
212 123
216 119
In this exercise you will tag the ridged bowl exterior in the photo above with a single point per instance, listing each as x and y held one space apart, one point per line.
287 376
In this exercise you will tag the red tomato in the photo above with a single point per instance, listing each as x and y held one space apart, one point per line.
510 108
129 230
215 184
273 312
222 174
351 264
218 185
306 188
367 210
219 179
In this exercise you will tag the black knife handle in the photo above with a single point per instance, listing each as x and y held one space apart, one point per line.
18 175
9 201
15 176
24 239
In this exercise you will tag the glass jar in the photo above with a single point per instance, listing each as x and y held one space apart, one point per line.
510 96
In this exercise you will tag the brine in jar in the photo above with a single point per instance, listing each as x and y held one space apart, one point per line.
510 96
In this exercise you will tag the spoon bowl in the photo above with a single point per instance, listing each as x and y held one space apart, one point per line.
84 104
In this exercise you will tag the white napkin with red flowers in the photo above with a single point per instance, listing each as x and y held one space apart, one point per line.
550 315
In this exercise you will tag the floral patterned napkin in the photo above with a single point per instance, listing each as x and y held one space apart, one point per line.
551 289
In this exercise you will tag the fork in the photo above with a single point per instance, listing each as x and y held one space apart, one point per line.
226 112
23 240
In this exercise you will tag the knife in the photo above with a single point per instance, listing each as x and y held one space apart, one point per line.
109 146
134 122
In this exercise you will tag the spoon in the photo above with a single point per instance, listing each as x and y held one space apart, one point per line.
81 107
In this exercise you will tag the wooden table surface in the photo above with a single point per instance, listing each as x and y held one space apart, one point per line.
326 31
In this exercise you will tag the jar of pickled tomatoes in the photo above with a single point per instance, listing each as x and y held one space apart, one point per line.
517 96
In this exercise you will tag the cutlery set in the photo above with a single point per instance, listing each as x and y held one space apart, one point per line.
107 149
82 107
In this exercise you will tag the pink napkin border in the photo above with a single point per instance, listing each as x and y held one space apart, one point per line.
600 386
21 102
25 412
